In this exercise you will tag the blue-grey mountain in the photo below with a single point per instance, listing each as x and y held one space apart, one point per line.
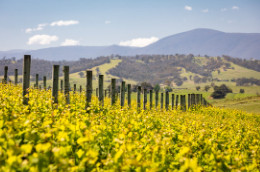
199 41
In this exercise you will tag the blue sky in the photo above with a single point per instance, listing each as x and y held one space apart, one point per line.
35 24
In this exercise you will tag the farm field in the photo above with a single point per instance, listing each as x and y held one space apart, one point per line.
39 137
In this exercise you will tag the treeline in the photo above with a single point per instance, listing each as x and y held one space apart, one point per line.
247 81
165 68
250 64
152 69
44 67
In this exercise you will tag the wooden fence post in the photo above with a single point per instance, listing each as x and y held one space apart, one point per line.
151 99
122 97
119 92
129 95
100 89
138 97
105 92
183 103
74 88
113 91
201 99
80 88
192 99
44 82
16 76
37 80
66 71
89 87
161 100
26 78
5 74
189 101
172 101
197 99
156 98
177 101
61 85
55 82
145 99
166 100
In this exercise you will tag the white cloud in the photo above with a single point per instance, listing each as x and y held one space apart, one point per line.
107 22
139 42
28 30
38 28
64 23
235 8
223 9
69 42
42 39
189 8
205 10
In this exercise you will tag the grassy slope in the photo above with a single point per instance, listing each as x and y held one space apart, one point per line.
103 69
237 72
235 100
249 104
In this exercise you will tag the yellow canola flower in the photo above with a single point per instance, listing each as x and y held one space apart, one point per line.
42 137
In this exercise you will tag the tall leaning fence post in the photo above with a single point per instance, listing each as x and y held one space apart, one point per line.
5 74
129 95
166 100
151 99
122 98
100 89
138 97
55 83
113 91
183 103
44 82
89 88
16 76
66 71
161 100
26 78
145 99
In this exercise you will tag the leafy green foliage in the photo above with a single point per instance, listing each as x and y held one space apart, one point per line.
220 91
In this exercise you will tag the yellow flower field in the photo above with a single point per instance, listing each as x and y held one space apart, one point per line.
41 137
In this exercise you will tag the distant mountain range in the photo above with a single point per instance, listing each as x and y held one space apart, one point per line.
199 41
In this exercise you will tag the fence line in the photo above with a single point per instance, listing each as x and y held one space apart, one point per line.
192 99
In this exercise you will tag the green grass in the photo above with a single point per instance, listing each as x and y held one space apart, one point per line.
248 104
103 69
237 72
